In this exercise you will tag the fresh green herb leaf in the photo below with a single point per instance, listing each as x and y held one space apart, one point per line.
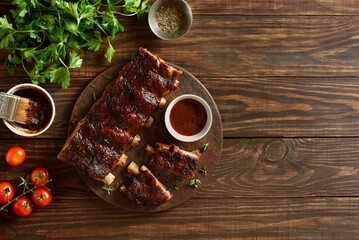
117 185
109 189
94 42
176 187
195 183
204 147
108 78
94 96
143 10
74 60
204 170
44 37
109 52
4 23
61 75
5 42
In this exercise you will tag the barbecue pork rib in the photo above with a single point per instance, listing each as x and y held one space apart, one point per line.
171 158
144 188
98 143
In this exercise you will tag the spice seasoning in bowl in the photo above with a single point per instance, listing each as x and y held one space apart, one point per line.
170 19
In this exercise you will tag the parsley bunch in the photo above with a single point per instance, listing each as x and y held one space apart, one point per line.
45 36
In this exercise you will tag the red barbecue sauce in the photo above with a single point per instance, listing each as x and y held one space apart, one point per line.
188 117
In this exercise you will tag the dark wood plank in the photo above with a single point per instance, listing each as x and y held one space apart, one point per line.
275 7
263 7
256 218
321 167
286 168
245 46
253 192
251 107
281 68
291 107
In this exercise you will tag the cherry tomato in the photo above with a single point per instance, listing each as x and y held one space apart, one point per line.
41 196
7 192
15 156
39 176
22 206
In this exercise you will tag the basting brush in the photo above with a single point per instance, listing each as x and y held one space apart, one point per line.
17 109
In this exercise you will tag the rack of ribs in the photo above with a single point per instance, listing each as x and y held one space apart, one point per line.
144 188
171 158
99 141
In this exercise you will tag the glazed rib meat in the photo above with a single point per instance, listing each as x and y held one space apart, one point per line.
97 144
171 158
144 188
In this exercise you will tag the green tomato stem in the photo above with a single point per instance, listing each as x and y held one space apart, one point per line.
23 194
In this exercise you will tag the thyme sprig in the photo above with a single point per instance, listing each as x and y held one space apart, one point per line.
204 147
195 183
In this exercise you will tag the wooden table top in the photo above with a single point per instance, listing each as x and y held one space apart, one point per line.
284 75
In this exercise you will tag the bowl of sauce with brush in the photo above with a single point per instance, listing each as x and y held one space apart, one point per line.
188 118
40 111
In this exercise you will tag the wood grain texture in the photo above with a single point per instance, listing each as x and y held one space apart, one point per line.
247 196
275 7
245 46
285 78
321 167
308 168
287 107
252 107
256 218
262 7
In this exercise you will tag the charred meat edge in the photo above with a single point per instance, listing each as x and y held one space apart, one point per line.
108 179
135 170
173 149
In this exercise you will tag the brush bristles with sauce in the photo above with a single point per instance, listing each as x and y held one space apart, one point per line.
27 112
21 110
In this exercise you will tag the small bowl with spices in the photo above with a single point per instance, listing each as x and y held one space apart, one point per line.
42 107
170 19
188 118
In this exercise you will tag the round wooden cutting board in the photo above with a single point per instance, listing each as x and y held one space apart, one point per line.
157 133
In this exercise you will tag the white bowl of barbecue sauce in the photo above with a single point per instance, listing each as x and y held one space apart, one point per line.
44 107
188 118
